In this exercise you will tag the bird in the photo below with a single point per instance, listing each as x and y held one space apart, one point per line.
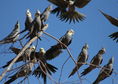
113 21
44 68
82 58
24 71
114 36
105 72
95 62
12 37
27 55
55 50
45 15
35 25
65 9
28 20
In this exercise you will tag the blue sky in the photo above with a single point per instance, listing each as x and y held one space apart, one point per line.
94 30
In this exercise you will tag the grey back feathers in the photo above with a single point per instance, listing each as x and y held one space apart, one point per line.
105 72
13 36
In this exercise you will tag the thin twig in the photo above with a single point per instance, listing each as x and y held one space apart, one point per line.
23 49
62 69
62 44
70 55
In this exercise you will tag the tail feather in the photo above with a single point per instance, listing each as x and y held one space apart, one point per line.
7 64
74 70
10 80
49 69
96 82
86 71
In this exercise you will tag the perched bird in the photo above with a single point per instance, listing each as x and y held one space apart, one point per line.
45 15
44 68
82 58
95 62
55 50
12 37
113 21
28 22
66 9
25 71
105 72
36 25
27 55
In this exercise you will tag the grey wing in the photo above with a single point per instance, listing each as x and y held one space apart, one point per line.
81 3
114 36
111 19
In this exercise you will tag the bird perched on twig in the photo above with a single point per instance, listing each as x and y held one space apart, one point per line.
66 9
82 58
24 71
105 72
12 37
113 21
36 25
44 69
27 55
55 50
28 22
45 15
95 62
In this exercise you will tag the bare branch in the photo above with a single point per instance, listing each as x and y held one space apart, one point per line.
23 49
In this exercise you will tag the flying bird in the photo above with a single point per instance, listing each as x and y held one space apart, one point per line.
45 15
55 50
65 9
95 62
44 68
25 71
27 55
105 72
82 58
12 37
113 21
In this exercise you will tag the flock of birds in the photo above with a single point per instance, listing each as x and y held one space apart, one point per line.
65 10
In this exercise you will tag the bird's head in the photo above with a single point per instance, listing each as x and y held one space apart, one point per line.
42 50
38 13
71 2
17 25
86 46
70 32
102 51
111 60
33 48
49 8
28 13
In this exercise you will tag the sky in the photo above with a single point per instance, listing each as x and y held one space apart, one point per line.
94 30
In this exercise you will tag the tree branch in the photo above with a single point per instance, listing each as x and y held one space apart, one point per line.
23 49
